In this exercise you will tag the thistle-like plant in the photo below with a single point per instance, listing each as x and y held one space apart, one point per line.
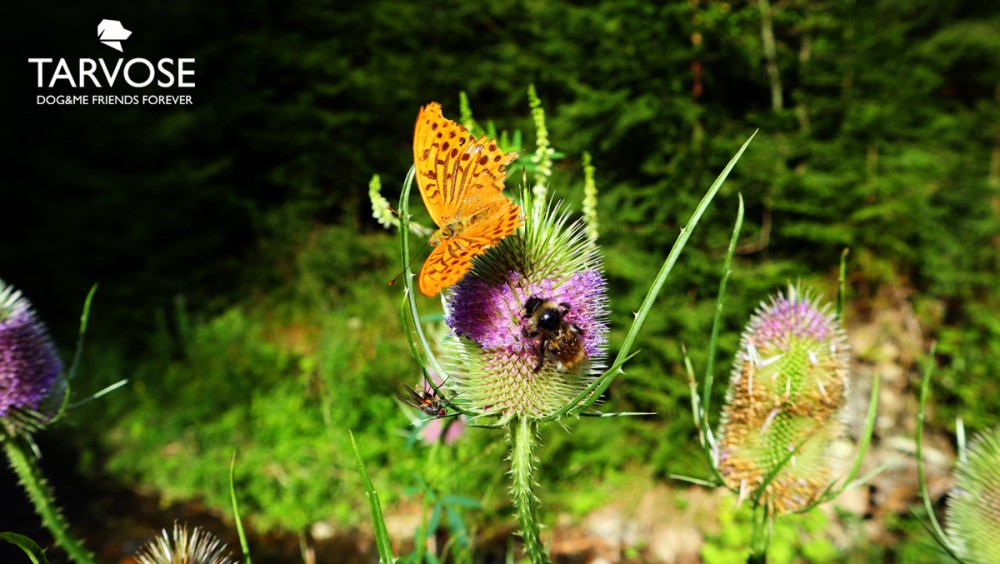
784 402
529 326
972 520
783 407
505 363
973 517
33 393
31 373
184 546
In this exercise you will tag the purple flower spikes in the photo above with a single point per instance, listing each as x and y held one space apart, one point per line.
530 321
30 369
494 315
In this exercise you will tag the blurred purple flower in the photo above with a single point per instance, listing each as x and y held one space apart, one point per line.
448 429
30 368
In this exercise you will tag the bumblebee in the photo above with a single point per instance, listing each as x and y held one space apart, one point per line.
558 338
427 401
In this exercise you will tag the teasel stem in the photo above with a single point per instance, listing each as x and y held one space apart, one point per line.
521 433
760 535
22 460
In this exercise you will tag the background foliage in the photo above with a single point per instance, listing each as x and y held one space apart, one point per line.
243 281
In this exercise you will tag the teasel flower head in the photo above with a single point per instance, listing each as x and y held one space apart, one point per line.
784 402
973 515
182 546
30 370
530 321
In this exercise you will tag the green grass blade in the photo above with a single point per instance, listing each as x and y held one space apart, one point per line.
695 398
863 480
407 321
593 392
705 439
30 547
100 393
866 438
381 533
697 481
937 532
842 285
84 317
668 265
940 549
236 510
620 414
706 394
832 491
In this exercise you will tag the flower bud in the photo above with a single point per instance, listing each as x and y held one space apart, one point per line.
184 547
530 320
783 405
973 516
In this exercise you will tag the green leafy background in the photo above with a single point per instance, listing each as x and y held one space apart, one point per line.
243 282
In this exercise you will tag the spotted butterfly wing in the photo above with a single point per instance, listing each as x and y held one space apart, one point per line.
461 180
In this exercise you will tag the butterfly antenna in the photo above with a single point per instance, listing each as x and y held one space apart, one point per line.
409 264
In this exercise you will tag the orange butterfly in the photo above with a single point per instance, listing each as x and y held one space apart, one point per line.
461 180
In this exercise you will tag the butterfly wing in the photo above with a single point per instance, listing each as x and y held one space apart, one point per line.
451 260
445 266
458 175
461 180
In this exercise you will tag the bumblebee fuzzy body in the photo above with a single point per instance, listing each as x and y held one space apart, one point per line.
427 401
558 338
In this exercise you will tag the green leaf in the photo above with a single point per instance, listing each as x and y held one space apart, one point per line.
594 391
30 547
381 533
236 510
934 527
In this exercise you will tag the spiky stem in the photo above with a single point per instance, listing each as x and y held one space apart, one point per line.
521 433
30 476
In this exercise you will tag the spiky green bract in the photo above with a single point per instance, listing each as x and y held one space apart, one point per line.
500 366
547 246
784 402
973 515
183 546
